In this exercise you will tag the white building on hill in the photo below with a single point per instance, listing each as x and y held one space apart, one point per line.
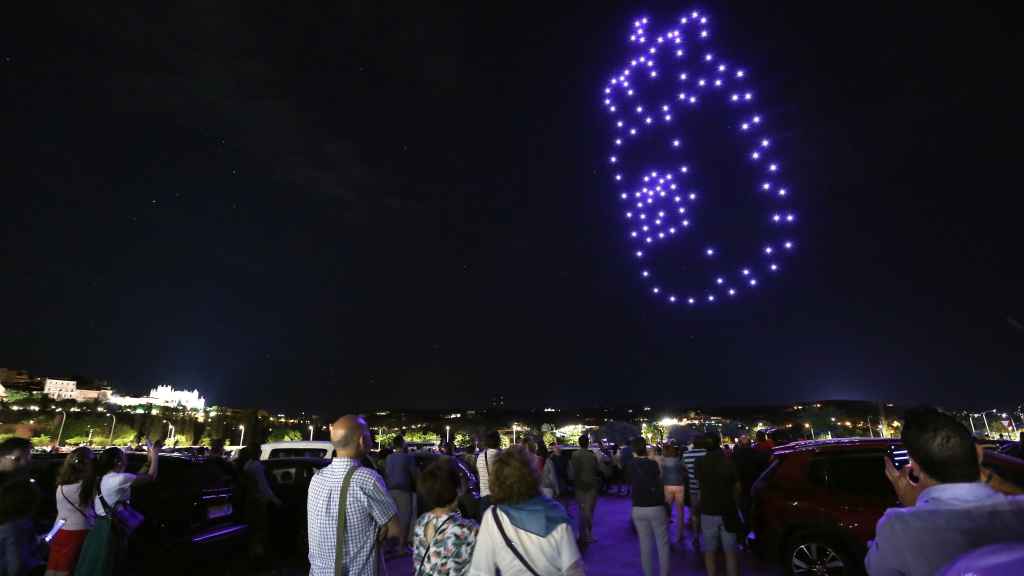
164 396
60 389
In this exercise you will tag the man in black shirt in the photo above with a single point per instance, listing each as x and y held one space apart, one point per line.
648 494
20 548
719 521
585 470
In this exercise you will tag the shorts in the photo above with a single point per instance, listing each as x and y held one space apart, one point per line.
715 535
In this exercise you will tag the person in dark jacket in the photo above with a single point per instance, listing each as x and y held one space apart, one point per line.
399 473
648 495
719 522
21 551
749 465
587 476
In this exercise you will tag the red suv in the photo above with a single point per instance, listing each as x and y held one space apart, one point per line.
817 504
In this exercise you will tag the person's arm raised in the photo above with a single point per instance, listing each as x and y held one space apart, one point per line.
152 466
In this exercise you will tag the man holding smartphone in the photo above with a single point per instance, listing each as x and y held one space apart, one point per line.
948 511
20 547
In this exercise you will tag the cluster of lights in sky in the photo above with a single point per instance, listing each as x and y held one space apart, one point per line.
661 205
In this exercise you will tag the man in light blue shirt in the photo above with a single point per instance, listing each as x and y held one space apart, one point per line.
948 510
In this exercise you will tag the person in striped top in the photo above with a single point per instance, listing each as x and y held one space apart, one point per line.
492 447
690 457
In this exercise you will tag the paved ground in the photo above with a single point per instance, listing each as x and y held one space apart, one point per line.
617 551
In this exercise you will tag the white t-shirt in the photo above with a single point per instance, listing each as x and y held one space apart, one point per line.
76 516
556 553
115 486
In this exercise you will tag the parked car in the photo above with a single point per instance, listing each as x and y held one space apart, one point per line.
816 506
189 512
297 449
782 436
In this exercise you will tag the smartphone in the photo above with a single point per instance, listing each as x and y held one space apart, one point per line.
899 456
56 528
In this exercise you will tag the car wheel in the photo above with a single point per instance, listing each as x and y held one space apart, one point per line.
816 555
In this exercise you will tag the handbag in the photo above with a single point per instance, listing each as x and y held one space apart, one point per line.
125 518
508 542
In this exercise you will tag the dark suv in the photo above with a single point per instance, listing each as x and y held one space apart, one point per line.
817 504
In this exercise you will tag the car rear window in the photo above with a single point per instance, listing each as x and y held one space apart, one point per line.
298 453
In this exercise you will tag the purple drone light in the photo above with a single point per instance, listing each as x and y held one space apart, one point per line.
655 207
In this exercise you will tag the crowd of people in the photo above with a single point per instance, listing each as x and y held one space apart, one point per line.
536 509
523 526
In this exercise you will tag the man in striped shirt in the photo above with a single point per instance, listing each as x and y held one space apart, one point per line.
690 458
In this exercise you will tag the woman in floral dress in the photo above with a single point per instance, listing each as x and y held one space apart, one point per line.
443 540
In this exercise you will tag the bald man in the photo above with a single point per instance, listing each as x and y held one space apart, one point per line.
368 507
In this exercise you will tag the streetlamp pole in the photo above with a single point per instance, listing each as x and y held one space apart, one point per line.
871 432
62 421
988 433
970 418
310 432
447 434
89 441
513 434
241 440
112 425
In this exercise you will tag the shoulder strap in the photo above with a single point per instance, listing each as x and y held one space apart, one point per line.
103 501
487 464
342 537
73 504
426 551
508 542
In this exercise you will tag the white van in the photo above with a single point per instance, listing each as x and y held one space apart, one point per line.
297 449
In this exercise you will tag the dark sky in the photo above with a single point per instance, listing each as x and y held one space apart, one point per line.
366 205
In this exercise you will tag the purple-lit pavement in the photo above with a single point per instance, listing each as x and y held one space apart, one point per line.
617 551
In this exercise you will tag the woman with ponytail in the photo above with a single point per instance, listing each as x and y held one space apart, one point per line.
76 486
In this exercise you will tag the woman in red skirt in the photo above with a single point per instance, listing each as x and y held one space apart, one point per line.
76 488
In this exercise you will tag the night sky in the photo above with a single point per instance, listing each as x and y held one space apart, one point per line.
371 205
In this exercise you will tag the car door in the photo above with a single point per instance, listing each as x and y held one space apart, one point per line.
861 491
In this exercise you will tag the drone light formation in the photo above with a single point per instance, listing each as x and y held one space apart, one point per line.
668 75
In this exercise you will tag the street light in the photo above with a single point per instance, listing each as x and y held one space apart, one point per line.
89 441
62 421
447 434
241 440
808 425
310 432
114 423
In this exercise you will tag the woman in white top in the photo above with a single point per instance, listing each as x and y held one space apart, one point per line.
114 485
537 537
76 485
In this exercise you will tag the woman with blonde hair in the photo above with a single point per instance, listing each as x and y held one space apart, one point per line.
523 533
